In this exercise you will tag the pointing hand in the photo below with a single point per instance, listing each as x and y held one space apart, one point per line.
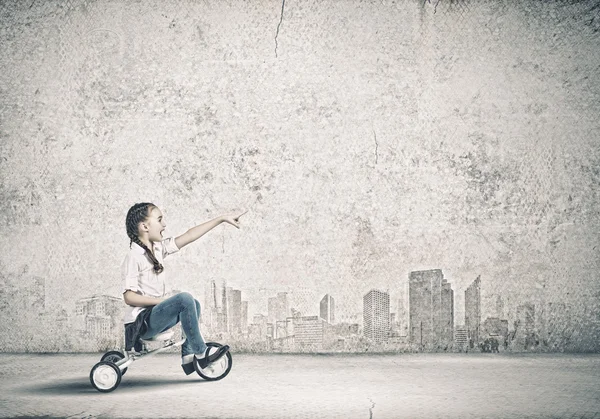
234 219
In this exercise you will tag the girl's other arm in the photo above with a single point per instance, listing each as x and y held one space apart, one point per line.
134 299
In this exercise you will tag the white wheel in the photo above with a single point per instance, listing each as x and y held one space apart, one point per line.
114 357
105 376
218 369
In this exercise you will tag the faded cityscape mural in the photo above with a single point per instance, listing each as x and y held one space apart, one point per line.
421 176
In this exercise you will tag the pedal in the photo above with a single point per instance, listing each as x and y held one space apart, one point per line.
133 354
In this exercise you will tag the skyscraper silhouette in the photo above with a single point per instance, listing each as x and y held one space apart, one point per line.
278 307
473 311
234 310
244 316
327 309
210 310
376 315
222 323
525 332
431 310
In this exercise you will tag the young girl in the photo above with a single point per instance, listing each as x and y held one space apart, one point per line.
145 288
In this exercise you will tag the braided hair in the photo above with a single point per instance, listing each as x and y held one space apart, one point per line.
137 214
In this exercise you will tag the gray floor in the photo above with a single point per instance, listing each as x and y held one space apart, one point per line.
300 386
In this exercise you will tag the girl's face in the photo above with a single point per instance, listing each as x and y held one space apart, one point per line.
154 225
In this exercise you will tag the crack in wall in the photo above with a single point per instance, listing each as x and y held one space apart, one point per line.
376 147
76 414
371 408
435 6
279 25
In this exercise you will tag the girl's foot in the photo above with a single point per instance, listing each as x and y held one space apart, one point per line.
205 359
188 368
187 362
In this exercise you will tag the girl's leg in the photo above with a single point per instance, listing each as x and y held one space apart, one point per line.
185 350
181 307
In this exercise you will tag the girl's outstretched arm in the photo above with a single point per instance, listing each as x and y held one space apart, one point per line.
200 230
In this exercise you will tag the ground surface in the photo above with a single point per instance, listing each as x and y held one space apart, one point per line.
318 386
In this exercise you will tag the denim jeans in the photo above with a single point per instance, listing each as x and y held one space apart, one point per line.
182 308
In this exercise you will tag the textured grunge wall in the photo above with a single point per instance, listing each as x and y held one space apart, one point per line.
368 139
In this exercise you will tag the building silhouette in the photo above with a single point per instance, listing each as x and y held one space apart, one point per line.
327 309
97 316
401 318
36 294
210 310
559 324
257 330
308 332
223 314
492 306
431 310
447 315
233 304
353 318
281 329
494 327
461 339
473 311
244 317
221 325
278 307
376 316
224 311
525 333
295 313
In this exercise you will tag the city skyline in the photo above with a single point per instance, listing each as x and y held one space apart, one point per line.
399 296
383 319
291 330
494 305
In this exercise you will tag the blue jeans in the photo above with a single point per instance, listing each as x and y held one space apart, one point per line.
182 308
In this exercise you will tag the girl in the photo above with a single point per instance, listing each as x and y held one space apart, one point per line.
149 310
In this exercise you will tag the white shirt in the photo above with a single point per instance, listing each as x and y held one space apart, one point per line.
137 273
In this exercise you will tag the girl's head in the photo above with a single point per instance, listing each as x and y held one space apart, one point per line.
145 220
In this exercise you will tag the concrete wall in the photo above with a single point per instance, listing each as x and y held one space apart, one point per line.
368 139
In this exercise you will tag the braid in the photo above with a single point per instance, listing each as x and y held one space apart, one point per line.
137 214
158 268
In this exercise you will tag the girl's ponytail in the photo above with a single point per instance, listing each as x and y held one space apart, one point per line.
135 215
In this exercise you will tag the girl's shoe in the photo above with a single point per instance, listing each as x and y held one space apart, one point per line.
188 368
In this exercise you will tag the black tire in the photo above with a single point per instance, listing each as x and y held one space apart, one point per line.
114 357
218 369
105 376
